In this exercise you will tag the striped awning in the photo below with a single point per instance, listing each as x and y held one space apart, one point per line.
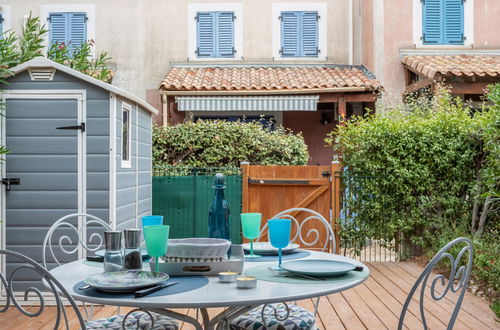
248 103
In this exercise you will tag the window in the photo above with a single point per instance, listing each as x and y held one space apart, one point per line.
69 28
443 22
125 137
299 34
215 34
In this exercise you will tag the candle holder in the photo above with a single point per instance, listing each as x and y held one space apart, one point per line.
227 277
246 282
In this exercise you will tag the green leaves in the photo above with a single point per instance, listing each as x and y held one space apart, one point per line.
221 143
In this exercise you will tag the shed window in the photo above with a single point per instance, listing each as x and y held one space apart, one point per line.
299 34
215 34
443 22
125 137
1 26
68 28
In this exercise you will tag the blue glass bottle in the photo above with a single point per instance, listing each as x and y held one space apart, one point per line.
218 215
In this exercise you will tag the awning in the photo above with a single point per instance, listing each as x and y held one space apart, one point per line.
248 103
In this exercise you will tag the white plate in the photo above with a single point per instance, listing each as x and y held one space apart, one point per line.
315 267
265 248
125 281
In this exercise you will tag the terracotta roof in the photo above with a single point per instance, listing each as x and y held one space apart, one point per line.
458 65
255 78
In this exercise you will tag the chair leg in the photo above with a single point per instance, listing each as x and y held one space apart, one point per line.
316 305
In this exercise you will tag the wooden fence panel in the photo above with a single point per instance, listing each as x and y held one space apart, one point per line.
272 189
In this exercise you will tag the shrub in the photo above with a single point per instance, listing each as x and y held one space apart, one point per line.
435 176
221 143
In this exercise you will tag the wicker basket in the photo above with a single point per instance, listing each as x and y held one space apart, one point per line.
197 250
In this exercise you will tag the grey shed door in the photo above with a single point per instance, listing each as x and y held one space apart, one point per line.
46 160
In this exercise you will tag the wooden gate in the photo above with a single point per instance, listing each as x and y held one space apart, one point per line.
272 189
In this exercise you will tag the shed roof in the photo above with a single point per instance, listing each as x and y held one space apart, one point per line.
42 62
459 65
261 78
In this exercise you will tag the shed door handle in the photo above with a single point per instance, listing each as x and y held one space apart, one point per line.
10 181
80 127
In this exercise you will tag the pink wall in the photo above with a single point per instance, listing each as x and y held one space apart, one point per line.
398 34
367 34
487 23
308 122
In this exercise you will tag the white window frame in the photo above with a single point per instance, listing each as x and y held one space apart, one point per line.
126 163
6 14
468 26
321 8
236 8
89 9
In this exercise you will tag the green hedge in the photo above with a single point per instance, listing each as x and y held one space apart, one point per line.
437 170
221 143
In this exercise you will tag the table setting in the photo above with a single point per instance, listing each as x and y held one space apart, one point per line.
144 268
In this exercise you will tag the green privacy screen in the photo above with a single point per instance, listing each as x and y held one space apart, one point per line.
184 195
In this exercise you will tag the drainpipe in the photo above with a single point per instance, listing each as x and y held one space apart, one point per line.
351 33
164 105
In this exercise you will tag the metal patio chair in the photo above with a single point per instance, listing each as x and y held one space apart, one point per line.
133 319
457 280
290 316
86 231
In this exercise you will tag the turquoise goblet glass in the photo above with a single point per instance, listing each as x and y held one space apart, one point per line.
250 224
149 220
156 237
279 235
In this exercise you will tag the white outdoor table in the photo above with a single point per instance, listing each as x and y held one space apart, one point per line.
214 294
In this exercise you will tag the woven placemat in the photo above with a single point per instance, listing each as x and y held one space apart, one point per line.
185 283
298 254
263 273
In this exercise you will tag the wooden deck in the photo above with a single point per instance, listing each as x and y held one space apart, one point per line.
376 304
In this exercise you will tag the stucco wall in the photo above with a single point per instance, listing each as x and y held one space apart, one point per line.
487 23
143 37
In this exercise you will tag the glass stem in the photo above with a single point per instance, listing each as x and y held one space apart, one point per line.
251 247
279 257
157 264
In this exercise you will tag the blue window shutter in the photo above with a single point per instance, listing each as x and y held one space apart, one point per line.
205 34
77 29
225 34
290 34
309 24
453 21
432 22
58 28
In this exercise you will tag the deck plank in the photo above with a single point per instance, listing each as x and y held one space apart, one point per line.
375 304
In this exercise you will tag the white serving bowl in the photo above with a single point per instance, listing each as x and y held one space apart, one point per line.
197 249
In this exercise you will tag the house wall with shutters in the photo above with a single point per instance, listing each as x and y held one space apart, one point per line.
388 26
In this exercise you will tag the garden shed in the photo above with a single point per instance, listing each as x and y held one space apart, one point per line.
76 144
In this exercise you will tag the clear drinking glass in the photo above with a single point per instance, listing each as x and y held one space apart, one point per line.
156 237
279 235
250 223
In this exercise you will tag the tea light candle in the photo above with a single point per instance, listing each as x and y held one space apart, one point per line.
246 282
227 277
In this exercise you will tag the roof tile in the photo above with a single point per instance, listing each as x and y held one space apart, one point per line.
458 65
265 78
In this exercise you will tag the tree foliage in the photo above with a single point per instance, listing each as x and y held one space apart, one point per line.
434 169
221 143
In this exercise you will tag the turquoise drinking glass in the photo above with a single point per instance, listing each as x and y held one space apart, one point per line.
149 220
250 224
156 237
279 235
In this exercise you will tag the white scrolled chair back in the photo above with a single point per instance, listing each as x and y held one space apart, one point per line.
59 292
457 281
96 239
311 237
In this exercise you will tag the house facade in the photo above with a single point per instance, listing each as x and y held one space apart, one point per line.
305 65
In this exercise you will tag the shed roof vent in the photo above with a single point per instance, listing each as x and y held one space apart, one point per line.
42 74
